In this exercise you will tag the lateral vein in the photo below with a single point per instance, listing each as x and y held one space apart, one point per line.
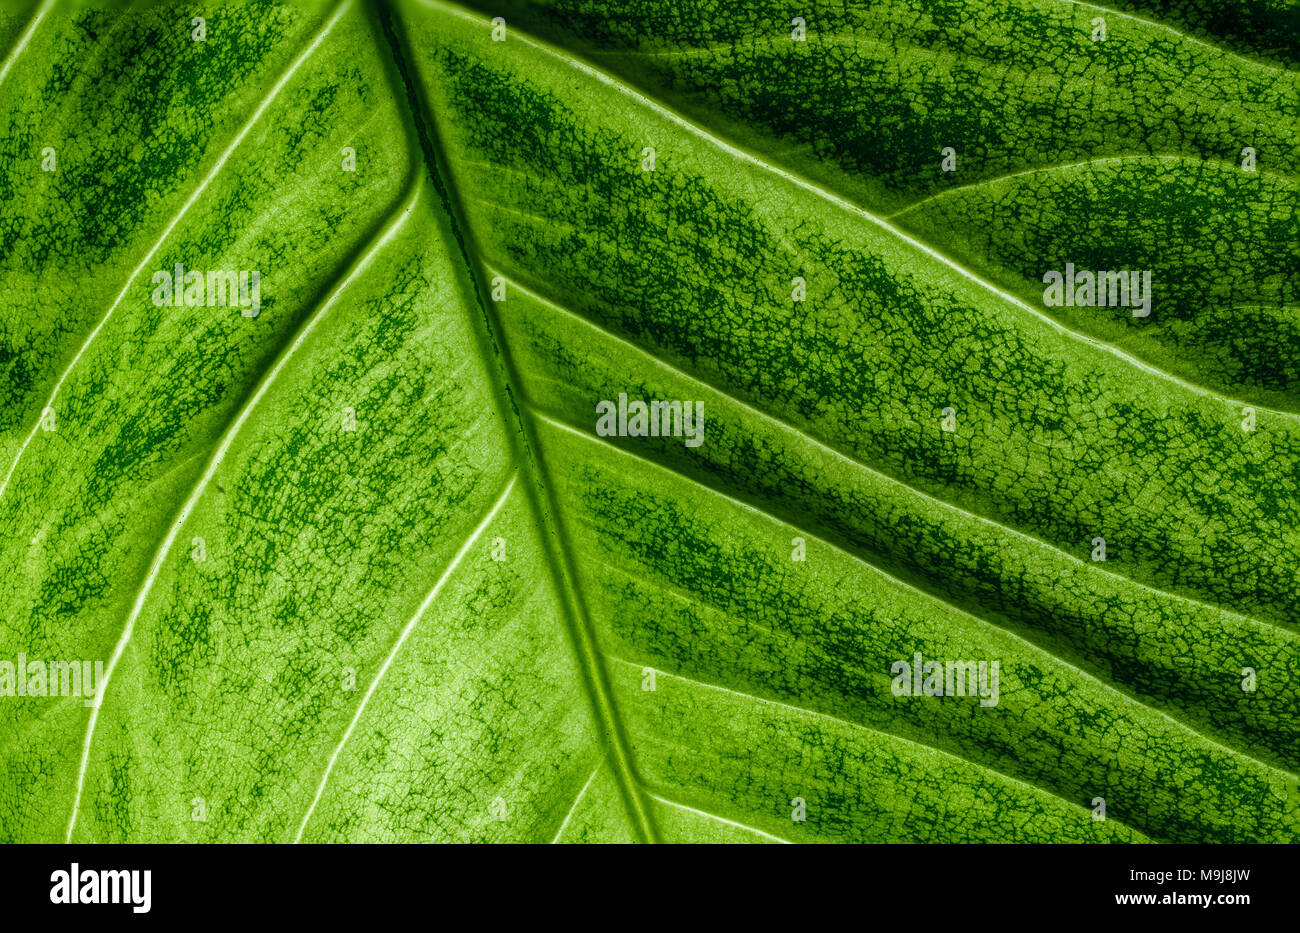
397 646
979 620
1066 166
210 471
721 819
195 194
520 429
577 800
25 38
904 486
890 736
799 181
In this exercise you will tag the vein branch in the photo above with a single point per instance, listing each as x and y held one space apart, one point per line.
194 196
397 646
214 463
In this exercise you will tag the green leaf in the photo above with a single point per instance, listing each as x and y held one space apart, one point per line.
362 566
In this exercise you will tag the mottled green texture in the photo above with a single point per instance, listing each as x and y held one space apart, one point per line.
1259 28
1122 151
555 636
1222 244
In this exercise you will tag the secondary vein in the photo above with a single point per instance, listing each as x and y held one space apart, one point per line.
397 646
666 112
214 462
176 219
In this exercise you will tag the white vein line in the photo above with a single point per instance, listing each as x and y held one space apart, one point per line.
856 40
1176 33
194 196
164 548
25 38
720 819
401 640
1067 166
855 37
1087 567
1034 650
848 206
577 800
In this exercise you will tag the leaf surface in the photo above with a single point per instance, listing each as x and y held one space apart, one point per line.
362 568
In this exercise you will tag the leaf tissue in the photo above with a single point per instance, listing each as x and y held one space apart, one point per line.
702 421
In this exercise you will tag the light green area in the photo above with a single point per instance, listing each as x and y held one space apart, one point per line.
253 510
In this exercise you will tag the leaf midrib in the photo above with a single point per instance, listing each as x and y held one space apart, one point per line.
531 462
523 440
